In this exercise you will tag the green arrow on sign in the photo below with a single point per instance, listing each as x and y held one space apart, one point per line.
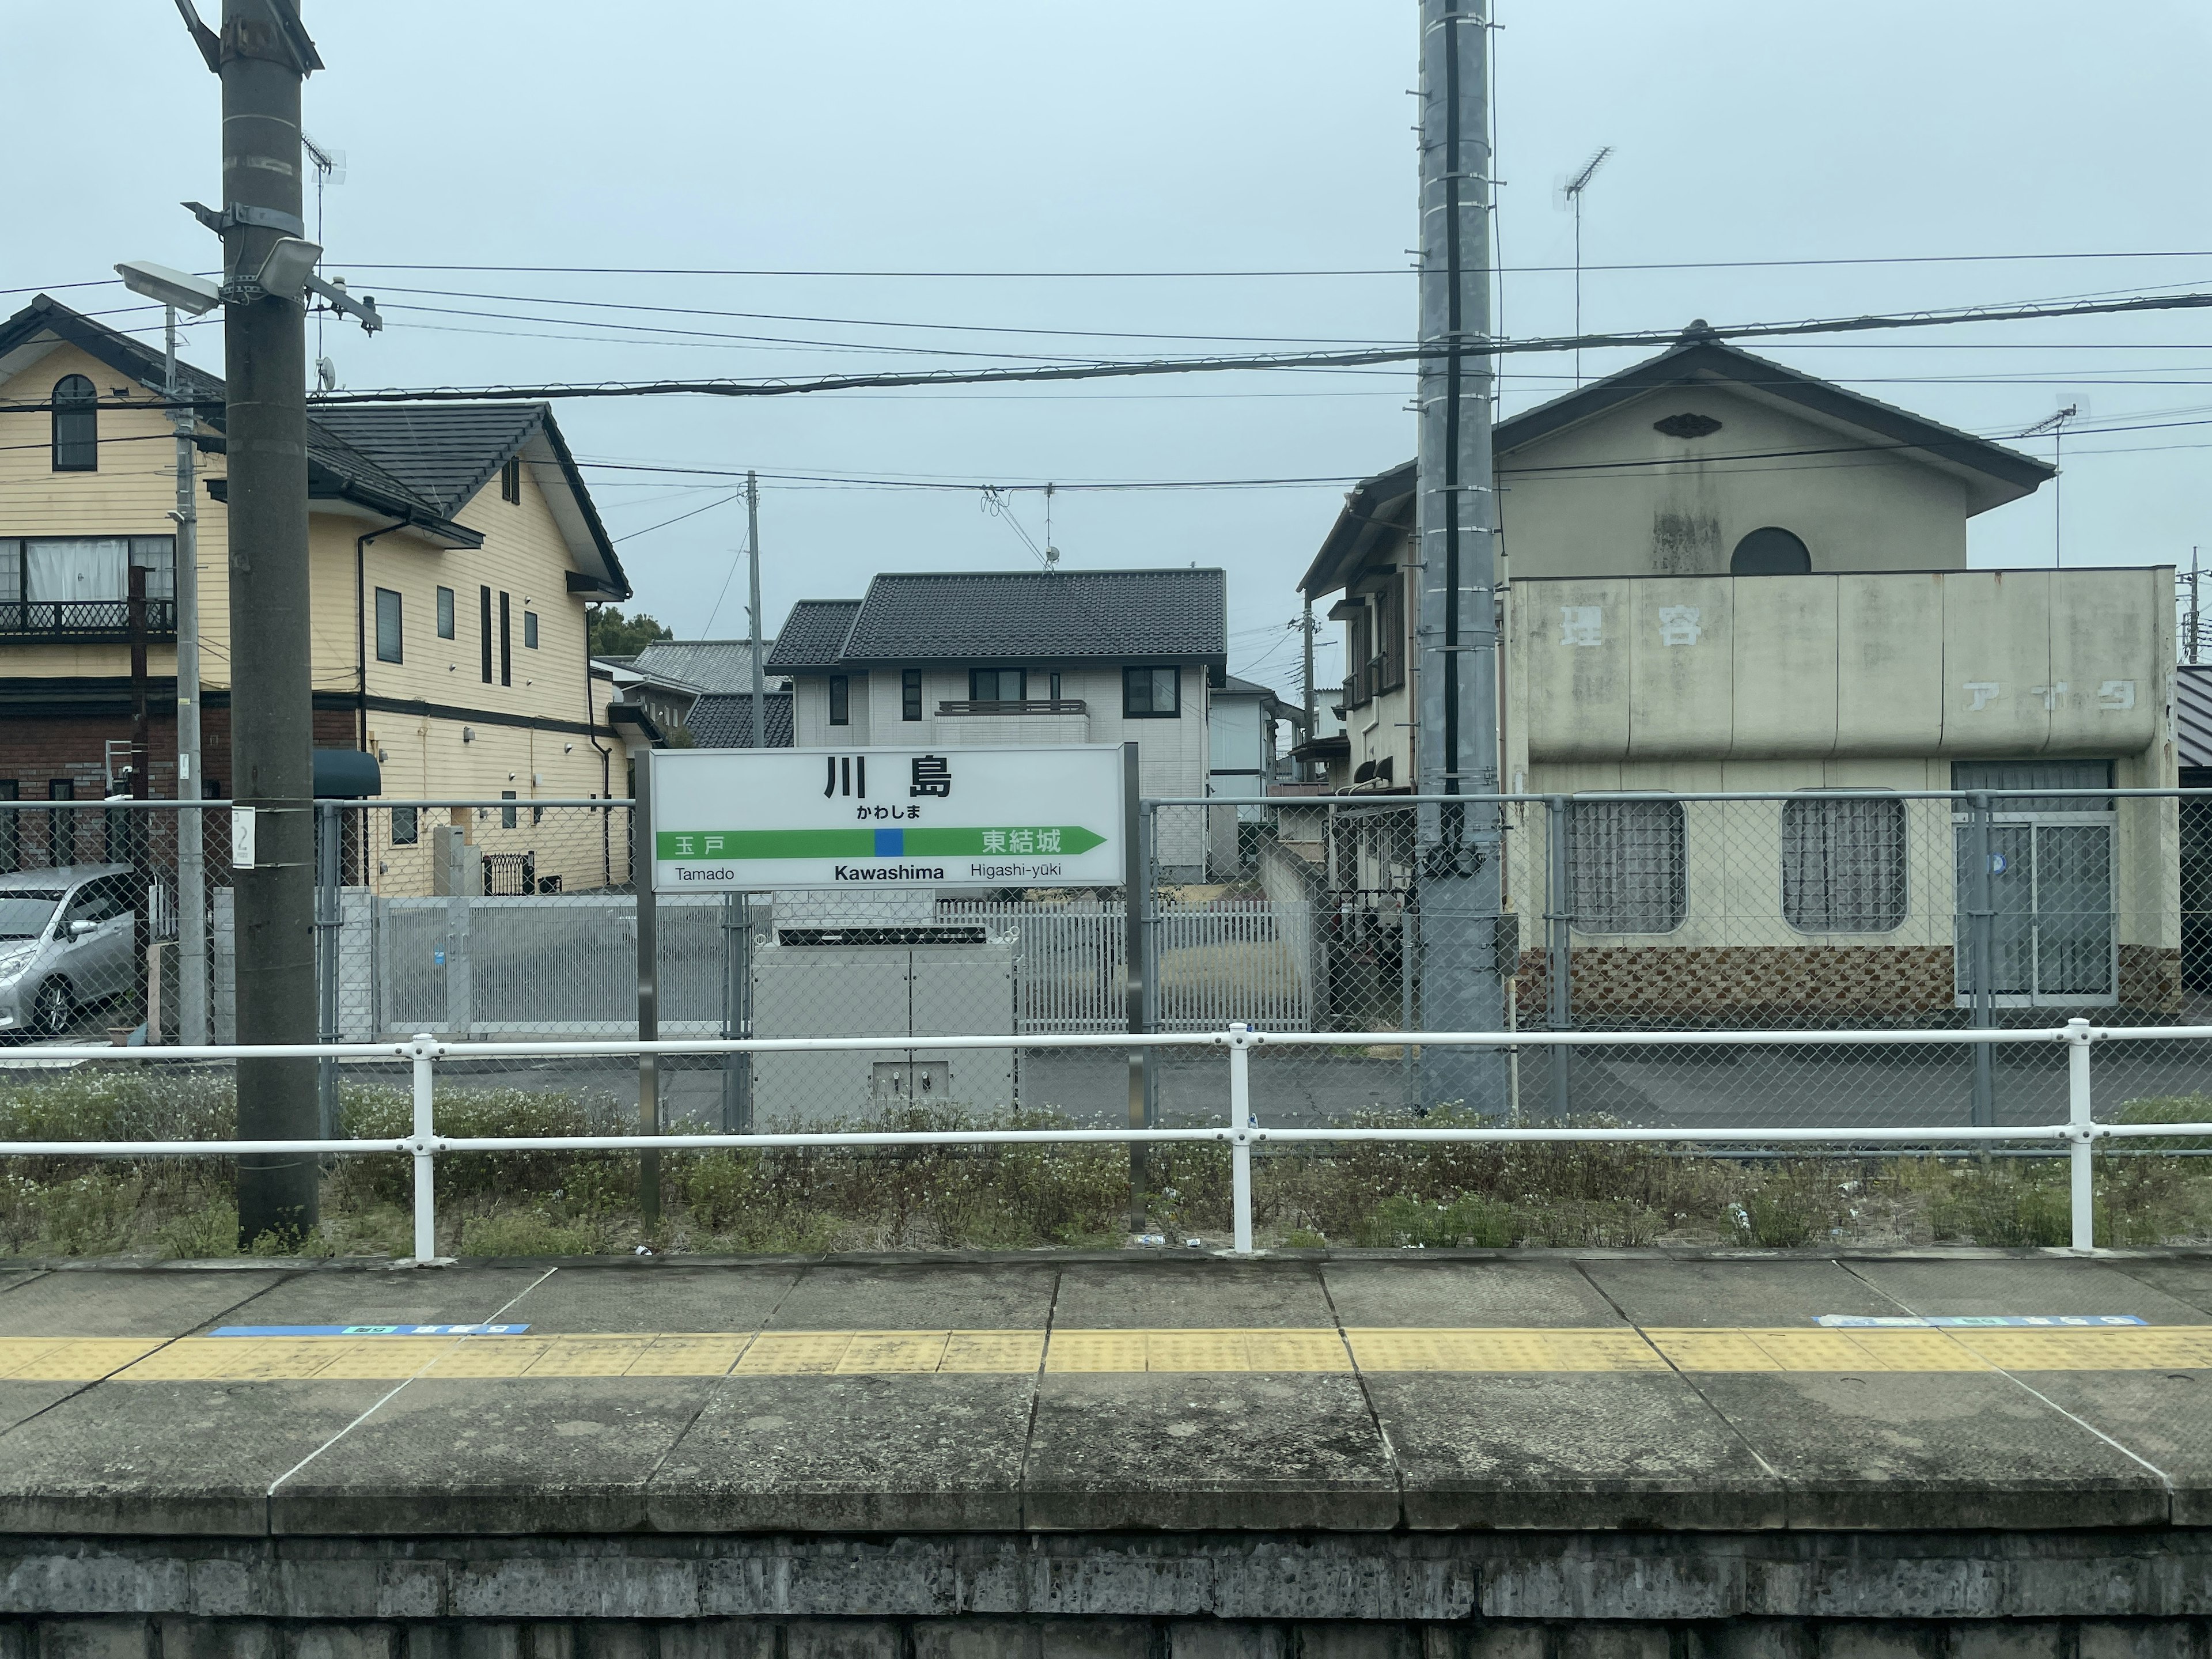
1014 841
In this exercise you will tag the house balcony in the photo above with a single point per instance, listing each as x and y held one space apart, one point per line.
78 620
1014 722
1015 705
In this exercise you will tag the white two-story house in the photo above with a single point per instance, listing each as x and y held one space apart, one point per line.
970 658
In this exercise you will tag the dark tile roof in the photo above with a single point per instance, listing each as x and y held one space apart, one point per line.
812 635
724 721
1023 616
2192 713
709 666
419 463
445 453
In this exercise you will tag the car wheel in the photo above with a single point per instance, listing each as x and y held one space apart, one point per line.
53 1009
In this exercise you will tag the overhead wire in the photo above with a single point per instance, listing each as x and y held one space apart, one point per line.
1091 370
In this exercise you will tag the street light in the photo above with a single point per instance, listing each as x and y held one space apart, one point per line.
177 291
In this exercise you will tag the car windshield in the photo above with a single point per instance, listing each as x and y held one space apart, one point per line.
25 915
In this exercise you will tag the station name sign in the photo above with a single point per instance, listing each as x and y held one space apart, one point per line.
749 820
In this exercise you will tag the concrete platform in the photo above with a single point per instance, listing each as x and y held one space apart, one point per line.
1349 1393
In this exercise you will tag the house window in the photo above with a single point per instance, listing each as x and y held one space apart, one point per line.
445 613
1627 866
507 813
406 829
61 827
998 685
1055 692
76 425
1150 694
1843 863
510 480
910 695
1359 650
483 630
388 641
840 700
79 570
1391 637
505 642
121 835
530 630
11 844
1770 552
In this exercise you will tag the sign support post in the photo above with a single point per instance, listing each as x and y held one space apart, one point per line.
1132 945
648 987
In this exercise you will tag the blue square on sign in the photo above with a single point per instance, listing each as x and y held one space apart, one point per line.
890 843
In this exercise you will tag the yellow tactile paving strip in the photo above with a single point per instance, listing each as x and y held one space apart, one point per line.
1015 1353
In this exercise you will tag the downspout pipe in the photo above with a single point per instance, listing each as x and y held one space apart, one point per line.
606 767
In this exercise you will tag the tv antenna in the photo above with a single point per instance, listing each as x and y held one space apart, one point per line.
999 500
330 165
2055 426
1570 195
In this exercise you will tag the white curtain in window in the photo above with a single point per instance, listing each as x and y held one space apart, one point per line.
1843 864
1627 865
88 567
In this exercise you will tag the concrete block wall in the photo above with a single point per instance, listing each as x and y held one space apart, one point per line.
1044 1637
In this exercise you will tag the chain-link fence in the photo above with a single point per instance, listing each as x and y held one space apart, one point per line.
513 919
1843 909
518 919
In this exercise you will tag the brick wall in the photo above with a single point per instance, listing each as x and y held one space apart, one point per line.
34 749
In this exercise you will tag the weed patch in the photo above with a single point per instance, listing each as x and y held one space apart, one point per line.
1378 1195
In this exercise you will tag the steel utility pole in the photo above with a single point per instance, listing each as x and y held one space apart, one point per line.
263 54
752 554
1456 638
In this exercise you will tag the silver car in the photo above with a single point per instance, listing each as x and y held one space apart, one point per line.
68 940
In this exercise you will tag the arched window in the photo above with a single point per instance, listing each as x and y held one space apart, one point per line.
76 425
1770 552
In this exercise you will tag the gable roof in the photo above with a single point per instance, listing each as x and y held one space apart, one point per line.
708 666
1023 615
813 636
721 720
420 465
445 451
1382 507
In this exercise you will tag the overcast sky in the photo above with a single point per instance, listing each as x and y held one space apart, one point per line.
1179 136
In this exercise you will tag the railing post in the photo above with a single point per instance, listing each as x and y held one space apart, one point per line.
1240 1134
426 1182
2080 1122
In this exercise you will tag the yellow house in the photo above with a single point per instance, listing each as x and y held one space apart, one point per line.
454 549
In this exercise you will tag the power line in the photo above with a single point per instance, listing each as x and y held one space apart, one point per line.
1372 270
849 322
1266 360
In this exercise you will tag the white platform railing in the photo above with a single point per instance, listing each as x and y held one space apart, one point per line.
1242 1131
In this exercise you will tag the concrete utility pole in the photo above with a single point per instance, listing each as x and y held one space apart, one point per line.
752 554
263 54
1456 637
1305 636
192 881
